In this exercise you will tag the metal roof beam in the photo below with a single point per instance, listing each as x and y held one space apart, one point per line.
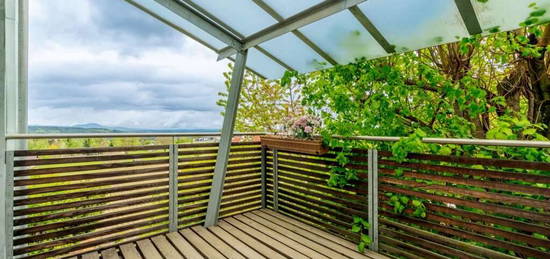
169 23
298 34
308 16
196 19
469 16
374 32
188 34
236 33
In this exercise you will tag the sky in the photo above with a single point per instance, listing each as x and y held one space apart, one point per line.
107 62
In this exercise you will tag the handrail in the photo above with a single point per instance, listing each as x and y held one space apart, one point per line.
124 135
460 141
455 141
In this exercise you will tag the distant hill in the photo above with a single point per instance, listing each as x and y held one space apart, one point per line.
98 128
68 129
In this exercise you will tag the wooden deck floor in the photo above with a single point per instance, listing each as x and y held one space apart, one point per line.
257 234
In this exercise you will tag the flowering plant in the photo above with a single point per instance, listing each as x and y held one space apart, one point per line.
304 127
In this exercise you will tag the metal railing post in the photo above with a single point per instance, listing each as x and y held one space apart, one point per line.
7 235
275 180
263 172
373 198
173 188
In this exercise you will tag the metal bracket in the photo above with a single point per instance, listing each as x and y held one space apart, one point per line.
173 188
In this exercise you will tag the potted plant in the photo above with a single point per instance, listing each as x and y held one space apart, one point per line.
300 137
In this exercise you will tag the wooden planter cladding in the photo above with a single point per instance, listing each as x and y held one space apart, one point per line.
311 147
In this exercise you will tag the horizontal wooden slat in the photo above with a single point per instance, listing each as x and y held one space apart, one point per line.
49 208
470 171
468 235
73 222
89 228
476 161
80 168
473 182
74 186
495 197
87 210
82 159
70 151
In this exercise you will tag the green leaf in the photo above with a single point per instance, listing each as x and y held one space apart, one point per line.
366 239
355 228
530 131
399 172
361 247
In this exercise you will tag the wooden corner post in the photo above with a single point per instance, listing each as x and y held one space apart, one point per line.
225 140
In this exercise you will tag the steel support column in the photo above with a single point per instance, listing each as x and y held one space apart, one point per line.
7 192
275 180
225 140
173 189
373 198
264 177
23 71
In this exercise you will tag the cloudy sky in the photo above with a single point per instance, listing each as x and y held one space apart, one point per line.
106 62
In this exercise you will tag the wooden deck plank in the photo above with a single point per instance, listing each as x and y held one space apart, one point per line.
148 249
345 243
250 241
129 251
111 253
279 237
216 242
91 255
200 244
257 234
165 248
267 240
323 240
235 243
295 236
183 246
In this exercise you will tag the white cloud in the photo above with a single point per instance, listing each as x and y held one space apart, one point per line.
87 65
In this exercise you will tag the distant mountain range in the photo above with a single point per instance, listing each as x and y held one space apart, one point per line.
98 128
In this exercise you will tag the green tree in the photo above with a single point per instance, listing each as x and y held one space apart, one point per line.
492 87
265 105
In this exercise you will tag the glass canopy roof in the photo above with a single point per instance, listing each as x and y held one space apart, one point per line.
309 35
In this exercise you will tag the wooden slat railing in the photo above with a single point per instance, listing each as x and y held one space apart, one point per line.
242 190
69 201
476 207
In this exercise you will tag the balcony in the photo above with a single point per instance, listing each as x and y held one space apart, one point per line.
151 202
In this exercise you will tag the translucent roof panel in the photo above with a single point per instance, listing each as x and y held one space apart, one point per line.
182 23
415 24
244 16
295 53
505 15
287 8
343 38
264 65
406 24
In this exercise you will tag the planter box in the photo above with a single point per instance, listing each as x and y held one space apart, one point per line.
311 147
